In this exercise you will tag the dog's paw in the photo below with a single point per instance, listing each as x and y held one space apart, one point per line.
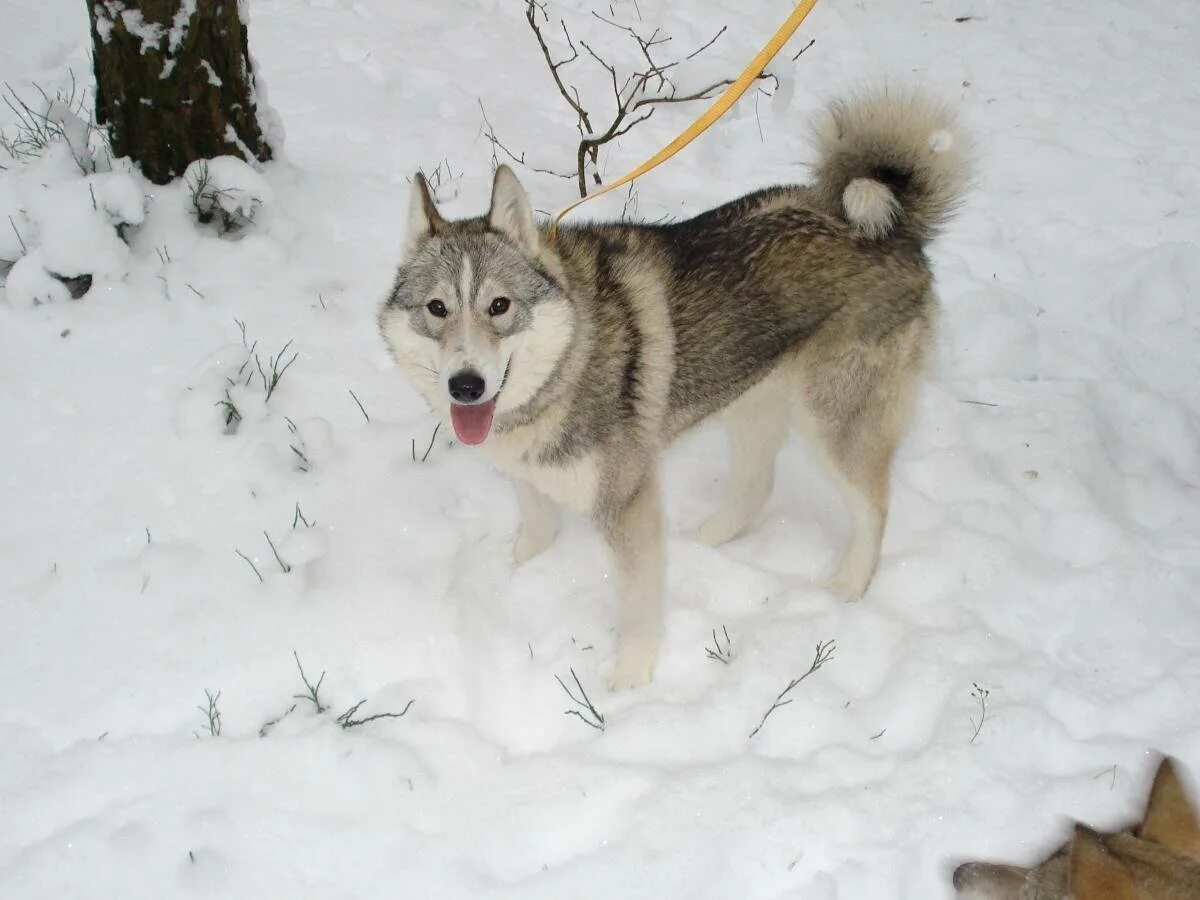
985 881
716 530
634 665
531 543
846 589
630 673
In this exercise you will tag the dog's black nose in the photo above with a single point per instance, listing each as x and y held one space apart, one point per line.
466 387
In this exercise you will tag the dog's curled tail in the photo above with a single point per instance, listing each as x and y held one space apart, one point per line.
891 162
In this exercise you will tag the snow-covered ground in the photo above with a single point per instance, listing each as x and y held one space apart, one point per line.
1044 541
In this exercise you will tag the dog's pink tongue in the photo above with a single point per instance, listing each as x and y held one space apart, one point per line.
472 423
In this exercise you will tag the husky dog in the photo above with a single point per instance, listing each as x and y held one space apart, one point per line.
1159 860
573 363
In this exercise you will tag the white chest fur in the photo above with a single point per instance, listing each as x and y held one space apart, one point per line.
572 484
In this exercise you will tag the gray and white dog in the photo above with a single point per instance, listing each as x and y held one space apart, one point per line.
573 364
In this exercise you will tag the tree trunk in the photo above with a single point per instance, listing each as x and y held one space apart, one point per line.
174 83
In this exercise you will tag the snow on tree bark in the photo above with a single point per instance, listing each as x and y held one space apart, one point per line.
174 83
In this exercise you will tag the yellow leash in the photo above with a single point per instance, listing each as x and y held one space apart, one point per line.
719 107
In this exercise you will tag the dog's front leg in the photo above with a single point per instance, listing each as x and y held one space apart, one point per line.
539 522
634 533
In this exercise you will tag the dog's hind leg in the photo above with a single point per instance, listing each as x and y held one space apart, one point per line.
860 401
756 425
634 533
864 478
539 522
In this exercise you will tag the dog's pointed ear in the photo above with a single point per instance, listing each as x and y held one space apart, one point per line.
1095 872
1170 817
423 218
511 215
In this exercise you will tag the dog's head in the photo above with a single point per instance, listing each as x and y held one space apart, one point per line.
478 317
1158 860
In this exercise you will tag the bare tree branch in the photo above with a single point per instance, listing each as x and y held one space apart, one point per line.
711 41
800 52
617 134
490 133
531 11
645 45
639 91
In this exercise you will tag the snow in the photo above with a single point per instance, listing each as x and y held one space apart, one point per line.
122 199
270 123
1043 543
28 282
228 183
75 132
150 34
213 78
74 232
179 26
64 224
104 20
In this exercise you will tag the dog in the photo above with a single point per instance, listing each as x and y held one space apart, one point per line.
574 363
1158 860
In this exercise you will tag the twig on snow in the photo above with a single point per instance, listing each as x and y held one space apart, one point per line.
20 240
591 716
270 382
823 655
347 720
981 694
720 654
299 517
312 691
266 727
432 438
1111 770
249 563
361 408
212 715
800 52
282 565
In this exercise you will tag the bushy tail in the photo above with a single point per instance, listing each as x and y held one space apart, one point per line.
891 162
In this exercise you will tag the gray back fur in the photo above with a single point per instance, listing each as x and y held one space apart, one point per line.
738 287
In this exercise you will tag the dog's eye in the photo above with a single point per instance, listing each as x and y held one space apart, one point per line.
499 306
436 308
